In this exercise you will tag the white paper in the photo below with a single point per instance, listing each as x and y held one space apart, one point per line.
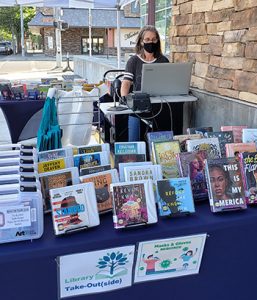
96 271
166 258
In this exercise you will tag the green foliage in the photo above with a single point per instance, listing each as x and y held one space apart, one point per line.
10 20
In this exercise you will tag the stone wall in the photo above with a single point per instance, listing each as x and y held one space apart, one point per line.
220 37
46 32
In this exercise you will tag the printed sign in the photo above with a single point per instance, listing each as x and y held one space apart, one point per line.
166 258
96 271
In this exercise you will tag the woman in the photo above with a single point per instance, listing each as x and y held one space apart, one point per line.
148 50
220 183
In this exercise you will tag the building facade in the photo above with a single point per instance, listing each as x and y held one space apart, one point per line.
75 39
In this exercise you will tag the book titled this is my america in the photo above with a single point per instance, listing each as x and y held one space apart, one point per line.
174 197
225 185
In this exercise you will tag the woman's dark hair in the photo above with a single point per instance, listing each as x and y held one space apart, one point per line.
139 47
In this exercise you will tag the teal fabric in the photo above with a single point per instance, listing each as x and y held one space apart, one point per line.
49 133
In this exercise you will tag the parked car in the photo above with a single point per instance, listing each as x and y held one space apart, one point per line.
6 48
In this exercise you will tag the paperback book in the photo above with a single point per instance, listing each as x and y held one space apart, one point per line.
102 181
211 145
74 208
158 136
237 132
183 138
164 154
225 185
248 162
233 150
55 164
133 204
174 197
57 179
192 164
224 137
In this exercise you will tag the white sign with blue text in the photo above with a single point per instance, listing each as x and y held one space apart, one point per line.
96 271
166 258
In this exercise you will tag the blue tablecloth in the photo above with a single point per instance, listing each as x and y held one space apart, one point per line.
18 113
28 270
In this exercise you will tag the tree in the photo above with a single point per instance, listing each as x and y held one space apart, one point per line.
112 261
10 21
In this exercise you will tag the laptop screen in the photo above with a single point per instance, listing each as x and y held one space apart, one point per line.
166 79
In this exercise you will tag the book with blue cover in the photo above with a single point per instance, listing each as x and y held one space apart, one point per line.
158 136
174 197
121 148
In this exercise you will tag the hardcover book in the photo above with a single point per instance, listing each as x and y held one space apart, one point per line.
74 208
129 148
82 161
128 158
134 173
225 185
248 162
55 164
158 136
164 154
133 204
237 132
192 164
102 181
199 130
224 137
91 149
54 180
249 135
183 138
174 197
211 145
233 150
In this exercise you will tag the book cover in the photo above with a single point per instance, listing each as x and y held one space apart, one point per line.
248 162
249 135
134 173
54 165
127 164
199 130
91 148
129 148
54 154
127 158
211 145
82 161
102 183
225 185
192 164
129 203
237 131
224 137
164 154
69 209
183 138
54 180
174 197
233 150
96 169
158 136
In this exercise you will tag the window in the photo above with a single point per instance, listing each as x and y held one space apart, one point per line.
97 44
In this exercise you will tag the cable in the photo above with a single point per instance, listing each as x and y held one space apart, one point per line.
171 123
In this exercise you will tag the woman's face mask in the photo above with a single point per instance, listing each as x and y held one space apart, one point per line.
150 47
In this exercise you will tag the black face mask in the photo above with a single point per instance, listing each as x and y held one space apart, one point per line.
150 47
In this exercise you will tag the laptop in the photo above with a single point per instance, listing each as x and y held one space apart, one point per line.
166 79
